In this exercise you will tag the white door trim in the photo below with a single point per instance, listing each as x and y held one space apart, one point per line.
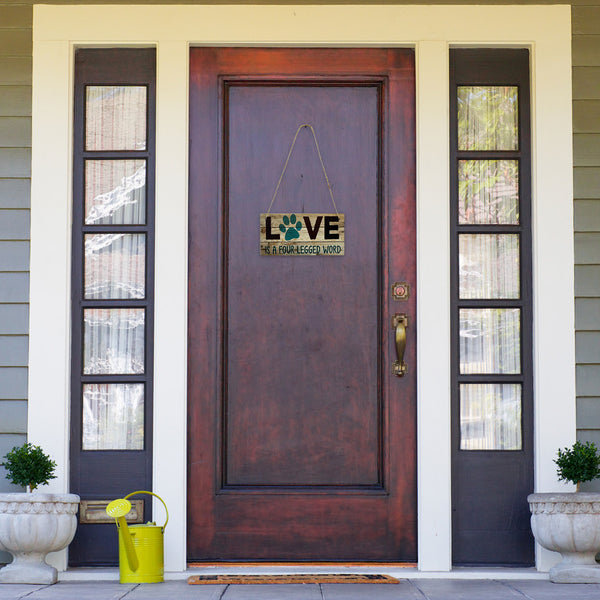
431 30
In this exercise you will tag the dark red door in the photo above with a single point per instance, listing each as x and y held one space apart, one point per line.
302 442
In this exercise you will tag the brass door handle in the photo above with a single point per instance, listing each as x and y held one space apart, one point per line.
399 324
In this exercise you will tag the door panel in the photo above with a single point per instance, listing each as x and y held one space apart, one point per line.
290 404
301 442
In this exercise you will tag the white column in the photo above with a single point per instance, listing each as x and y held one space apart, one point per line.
50 261
433 277
553 260
170 314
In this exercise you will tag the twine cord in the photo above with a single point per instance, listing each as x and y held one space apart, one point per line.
287 160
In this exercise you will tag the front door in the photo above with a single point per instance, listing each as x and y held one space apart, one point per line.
301 440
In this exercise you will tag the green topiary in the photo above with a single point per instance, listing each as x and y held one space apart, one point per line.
29 466
579 463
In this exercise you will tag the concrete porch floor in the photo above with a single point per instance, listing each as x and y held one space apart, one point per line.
407 589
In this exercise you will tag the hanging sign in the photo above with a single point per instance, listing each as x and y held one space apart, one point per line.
303 234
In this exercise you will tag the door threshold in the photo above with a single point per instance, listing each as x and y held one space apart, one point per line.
302 564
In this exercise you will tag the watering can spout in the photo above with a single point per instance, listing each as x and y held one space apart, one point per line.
118 509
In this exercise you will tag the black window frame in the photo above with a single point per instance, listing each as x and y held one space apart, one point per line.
109 474
493 482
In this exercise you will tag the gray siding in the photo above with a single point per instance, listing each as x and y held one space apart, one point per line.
15 131
15 153
586 148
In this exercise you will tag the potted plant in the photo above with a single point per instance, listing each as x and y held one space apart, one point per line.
569 523
32 524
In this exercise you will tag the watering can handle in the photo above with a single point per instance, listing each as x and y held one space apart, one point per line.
152 494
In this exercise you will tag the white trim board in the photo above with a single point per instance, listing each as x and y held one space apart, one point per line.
431 30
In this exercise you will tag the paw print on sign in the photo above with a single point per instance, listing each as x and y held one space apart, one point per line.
290 227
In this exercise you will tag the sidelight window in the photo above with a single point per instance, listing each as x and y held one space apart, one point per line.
113 279
492 404
490 228
114 241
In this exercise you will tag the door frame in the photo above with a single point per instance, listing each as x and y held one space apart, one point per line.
431 30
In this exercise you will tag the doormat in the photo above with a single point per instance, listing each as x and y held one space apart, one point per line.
300 578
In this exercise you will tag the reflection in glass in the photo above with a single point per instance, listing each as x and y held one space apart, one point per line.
115 265
488 265
115 117
488 192
113 416
488 118
490 416
113 341
115 192
490 340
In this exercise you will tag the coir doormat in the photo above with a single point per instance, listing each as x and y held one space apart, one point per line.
298 578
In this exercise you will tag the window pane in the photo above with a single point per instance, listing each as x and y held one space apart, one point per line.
115 117
115 192
490 416
488 118
113 416
488 192
115 265
488 265
490 340
113 341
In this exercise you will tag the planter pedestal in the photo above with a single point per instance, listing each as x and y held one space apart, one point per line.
28 567
569 524
31 526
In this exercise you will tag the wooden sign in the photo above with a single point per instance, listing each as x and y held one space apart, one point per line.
301 234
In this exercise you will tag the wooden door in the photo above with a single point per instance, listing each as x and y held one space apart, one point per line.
302 443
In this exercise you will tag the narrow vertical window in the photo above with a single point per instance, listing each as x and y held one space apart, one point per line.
113 279
492 405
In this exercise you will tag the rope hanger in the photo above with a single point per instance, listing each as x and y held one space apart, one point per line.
287 160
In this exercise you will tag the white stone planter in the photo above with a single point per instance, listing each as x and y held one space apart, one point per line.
31 525
569 524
